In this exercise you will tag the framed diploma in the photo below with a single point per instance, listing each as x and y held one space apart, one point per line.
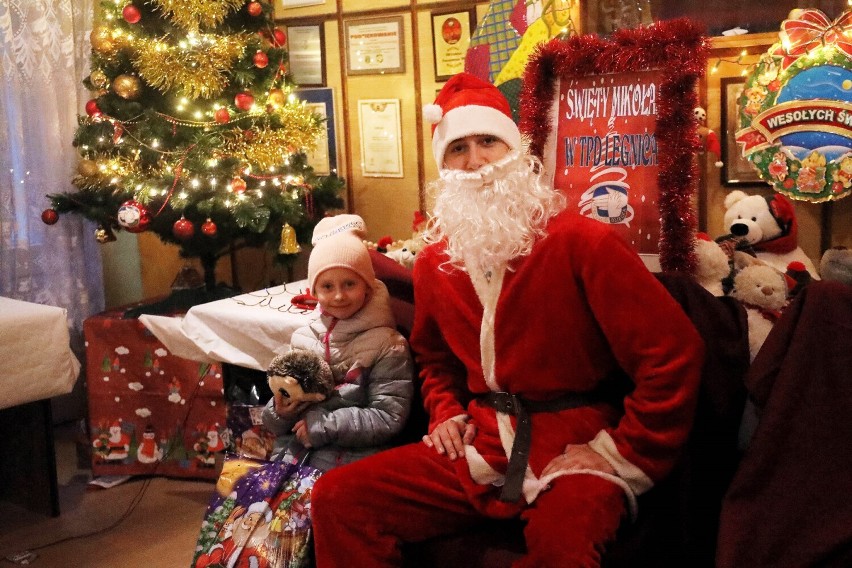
304 45
381 137
450 39
323 159
375 46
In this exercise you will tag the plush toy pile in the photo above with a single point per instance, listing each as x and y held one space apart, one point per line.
766 227
758 260
403 251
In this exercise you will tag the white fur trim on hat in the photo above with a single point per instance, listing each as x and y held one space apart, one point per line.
472 120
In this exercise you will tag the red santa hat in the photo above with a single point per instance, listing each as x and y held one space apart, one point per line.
782 210
468 106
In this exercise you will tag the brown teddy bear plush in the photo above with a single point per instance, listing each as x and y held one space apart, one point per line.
300 376
763 292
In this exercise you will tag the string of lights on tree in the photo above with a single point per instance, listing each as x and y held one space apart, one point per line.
194 131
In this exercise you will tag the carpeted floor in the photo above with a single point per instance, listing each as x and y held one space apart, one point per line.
142 523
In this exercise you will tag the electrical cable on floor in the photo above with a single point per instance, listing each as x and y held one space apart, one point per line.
27 556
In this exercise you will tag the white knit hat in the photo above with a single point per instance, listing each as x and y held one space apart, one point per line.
467 106
338 244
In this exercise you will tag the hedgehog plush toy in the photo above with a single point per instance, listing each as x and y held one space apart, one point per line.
300 376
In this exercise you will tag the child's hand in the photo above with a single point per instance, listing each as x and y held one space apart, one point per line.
301 431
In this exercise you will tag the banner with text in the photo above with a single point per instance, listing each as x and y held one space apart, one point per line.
606 152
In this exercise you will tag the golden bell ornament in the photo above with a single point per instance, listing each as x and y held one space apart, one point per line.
87 168
289 244
104 234
127 86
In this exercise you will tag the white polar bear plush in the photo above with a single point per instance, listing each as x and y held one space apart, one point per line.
768 226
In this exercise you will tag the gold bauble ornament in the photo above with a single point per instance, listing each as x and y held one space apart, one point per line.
99 79
127 86
276 97
289 244
102 40
87 168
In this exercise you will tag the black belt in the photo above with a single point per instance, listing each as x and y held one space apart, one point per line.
520 408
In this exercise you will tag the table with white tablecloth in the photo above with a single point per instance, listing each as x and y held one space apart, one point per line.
36 363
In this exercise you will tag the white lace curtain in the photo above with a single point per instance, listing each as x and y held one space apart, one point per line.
44 55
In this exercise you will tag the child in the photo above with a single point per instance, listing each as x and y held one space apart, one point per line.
353 329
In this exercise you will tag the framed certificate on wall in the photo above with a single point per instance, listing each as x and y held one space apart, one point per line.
304 47
323 159
375 46
450 40
381 137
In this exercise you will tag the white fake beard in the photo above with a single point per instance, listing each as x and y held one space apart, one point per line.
494 214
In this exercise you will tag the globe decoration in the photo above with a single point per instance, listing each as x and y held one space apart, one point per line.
795 109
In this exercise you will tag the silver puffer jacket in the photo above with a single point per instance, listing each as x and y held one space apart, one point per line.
373 374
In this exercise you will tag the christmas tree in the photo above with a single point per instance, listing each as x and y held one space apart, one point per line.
194 132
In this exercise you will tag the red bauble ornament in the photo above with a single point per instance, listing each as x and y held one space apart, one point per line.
261 60
238 185
131 14
244 100
279 38
209 228
133 216
92 108
222 116
49 216
183 229
255 9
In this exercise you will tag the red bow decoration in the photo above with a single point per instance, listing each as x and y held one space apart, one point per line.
812 29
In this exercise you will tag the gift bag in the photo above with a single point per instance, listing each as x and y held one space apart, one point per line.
259 515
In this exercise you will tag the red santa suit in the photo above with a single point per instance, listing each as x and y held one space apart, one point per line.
563 319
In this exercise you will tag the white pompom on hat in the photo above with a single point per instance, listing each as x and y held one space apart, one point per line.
338 243
468 106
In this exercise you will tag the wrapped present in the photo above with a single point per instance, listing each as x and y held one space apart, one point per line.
249 438
150 412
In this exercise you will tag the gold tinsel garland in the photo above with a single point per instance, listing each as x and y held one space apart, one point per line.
265 148
196 14
195 72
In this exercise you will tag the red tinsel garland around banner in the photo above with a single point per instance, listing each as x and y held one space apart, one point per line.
676 49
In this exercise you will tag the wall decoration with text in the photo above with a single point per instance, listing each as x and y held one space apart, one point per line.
611 119
795 110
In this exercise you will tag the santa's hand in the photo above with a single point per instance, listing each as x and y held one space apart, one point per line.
577 457
300 429
449 437
288 408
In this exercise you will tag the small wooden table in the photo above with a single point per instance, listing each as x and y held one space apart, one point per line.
36 363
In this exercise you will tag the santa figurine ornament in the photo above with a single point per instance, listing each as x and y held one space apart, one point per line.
709 140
